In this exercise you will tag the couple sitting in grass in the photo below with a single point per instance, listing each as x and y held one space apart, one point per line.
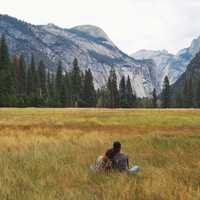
114 160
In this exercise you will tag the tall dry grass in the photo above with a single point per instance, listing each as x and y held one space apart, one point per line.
46 153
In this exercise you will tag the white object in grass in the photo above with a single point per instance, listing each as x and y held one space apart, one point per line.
133 170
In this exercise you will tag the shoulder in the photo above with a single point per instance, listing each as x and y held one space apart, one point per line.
121 156
109 151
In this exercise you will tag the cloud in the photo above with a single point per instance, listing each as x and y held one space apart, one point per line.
131 24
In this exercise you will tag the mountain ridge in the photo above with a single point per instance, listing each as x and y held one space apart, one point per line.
171 65
88 43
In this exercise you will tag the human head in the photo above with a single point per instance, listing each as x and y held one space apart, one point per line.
117 146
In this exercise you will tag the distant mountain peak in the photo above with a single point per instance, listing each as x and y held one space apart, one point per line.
168 64
90 44
149 54
92 30
51 25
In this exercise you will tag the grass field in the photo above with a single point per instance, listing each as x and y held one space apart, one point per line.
45 154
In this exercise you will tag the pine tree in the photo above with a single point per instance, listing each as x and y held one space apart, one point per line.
32 80
42 79
185 96
166 99
51 90
16 67
7 76
68 90
113 90
188 93
21 77
4 53
89 96
76 83
103 97
63 94
35 79
131 98
198 94
122 93
81 102
59 84
29 82
49 85
179 100
155 98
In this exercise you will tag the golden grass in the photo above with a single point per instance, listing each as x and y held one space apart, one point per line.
46 153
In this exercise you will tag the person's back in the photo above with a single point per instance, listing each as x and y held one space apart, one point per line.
119 160
114 159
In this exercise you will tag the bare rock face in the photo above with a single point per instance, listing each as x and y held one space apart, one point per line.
89 44
168 64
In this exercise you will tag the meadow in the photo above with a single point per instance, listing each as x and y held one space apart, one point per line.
45 154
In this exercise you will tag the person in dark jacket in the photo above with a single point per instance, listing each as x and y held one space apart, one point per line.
114 159
119 161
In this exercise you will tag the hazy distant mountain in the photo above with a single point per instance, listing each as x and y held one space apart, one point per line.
161 59
89 44
168 64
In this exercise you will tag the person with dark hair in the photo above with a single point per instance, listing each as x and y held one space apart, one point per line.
113 159
118 160
111 153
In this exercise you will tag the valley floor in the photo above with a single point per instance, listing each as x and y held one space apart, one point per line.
46 153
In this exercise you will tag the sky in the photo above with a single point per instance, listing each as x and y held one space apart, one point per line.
131 24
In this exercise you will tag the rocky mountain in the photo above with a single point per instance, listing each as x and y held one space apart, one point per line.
89 44
192 72
168 64
161 60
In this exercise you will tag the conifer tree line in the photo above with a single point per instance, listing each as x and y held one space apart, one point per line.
25 84
116 96
189 96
